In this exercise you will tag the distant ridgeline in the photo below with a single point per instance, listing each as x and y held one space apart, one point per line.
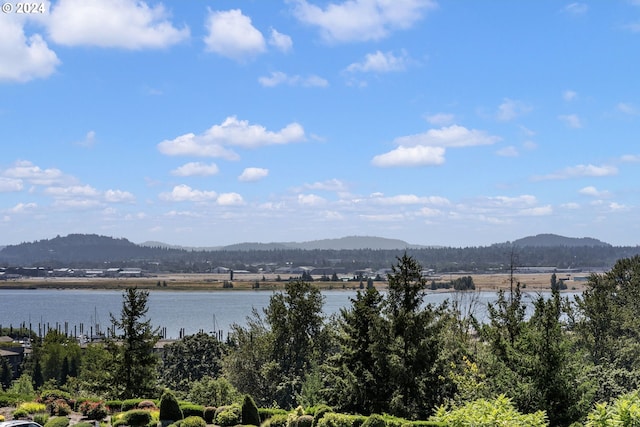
93 251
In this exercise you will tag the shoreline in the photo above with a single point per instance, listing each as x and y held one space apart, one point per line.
258 282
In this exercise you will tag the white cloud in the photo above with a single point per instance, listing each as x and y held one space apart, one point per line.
310 200
408 199
509 151
127 24
196 169
383 217
230 199
616 207
232 132
451 136
419 155
10 184
440 119
362 20
529 145
537 211
280 41
571 120
72 191
88 141
593 192
23 207
231 34
34 174
23 58
569 95
380 62
523 201
277 78
118 196
580 171
184 193
428 148
511 109
328 185
253 174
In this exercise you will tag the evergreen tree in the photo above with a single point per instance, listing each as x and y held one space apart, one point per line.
6 373
135 362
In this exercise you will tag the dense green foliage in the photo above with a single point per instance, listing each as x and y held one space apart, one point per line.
250 413
169 407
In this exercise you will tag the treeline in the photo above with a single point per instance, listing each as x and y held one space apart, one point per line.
385 353
92 251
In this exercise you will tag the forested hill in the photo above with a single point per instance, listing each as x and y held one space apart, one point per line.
550 240
93 251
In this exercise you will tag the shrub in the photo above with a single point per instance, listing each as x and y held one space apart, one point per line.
228 415
319 413
57 422
146 404
130 404
209 414
193 421
83 424
266 413
333 419
482 412
41 418
191 410
137 417
305 421
113 406
93 410
1 418
374 420
276 420
20 413
53 394
13 399
250 414
33 407
58 407
169 407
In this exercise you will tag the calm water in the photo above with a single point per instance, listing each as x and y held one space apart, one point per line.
191 311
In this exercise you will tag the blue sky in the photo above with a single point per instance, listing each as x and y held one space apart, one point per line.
203 123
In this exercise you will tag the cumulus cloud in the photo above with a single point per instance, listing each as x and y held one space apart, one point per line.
310 200
127 24
537 211
380 62
24 58
33 174
571 120
118 196
328 185
232 132
280 41
580 171
408 199
361 20
231 34
253 174
451 136
593 192
184 193
72 191
88 141
23 207
196 169
230 199
277 78
10 184
630 158
410 156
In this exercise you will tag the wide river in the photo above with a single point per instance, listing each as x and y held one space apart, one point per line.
79 312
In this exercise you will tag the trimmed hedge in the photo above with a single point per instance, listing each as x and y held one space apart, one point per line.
193 421
266 413
250 414
374 420
130 404
276 420
320 412
137 417
113 406
209 414
191 410
169 407
227 416
333 419
57 422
